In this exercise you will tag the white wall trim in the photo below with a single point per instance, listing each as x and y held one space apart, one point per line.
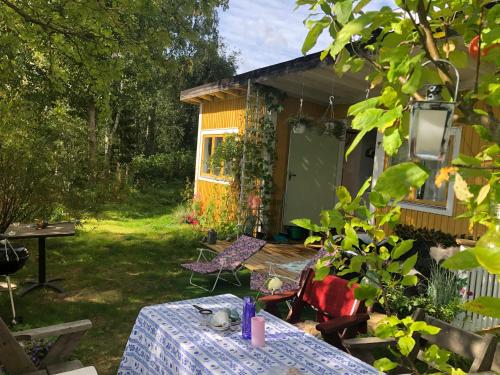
378 168
220 131
199 149
214 180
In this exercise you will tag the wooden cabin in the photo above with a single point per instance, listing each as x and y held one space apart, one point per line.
309 165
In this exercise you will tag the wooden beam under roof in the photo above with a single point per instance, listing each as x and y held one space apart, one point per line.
220 95
233 92
239 82
208 98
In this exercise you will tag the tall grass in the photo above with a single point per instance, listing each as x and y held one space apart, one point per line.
443 286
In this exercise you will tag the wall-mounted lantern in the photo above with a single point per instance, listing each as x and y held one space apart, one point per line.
430 120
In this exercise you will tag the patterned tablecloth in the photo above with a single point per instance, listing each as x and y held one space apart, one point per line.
169 339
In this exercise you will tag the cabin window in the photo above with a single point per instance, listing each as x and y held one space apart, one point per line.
210 143
430 198
429 193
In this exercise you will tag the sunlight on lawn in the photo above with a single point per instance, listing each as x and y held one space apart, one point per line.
124 257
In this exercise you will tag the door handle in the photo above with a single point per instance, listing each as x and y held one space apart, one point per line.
290 175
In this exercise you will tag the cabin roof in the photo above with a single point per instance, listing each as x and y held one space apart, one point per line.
307 77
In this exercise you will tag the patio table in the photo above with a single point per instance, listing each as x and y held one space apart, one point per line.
26 231
169 339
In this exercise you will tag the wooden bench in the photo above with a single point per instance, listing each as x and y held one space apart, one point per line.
16 362
478 348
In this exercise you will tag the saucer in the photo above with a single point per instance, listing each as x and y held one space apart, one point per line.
224 327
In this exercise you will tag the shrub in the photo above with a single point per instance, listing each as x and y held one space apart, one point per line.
161 168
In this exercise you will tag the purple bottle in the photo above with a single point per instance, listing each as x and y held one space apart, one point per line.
248 314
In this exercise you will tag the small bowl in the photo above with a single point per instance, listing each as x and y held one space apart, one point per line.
205 317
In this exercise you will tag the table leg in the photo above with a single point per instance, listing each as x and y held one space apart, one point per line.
42 272
41 260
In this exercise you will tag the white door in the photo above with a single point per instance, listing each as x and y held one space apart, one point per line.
314 169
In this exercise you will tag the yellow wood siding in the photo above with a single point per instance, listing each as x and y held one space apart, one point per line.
229 113
218 198
221 114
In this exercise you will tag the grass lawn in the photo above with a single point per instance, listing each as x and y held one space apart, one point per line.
124 257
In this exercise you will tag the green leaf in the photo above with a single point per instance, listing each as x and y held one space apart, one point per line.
392 140
397 180
423 327
487 306
365 291
312 239
321 272
389 97
356 263
336 220
362 106
384 364
352 28
314 33
409 280
393 267
363 188
343 195
385 330
360 5
488 257
401 248
483 132
304 223
406 345
351 238
409 263
413 83
343 10
463 260
466 161
378 199
483 193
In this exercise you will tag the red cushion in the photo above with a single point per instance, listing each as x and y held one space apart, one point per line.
331 296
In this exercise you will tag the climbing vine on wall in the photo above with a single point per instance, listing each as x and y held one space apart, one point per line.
249 157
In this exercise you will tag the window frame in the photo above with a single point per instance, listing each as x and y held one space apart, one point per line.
213 133
445 207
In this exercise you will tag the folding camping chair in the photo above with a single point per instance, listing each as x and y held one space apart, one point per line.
230 260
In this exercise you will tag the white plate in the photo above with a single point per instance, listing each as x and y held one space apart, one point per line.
219 328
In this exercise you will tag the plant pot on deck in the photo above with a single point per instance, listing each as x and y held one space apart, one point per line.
296 233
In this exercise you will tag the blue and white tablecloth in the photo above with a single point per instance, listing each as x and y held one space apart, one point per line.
168 339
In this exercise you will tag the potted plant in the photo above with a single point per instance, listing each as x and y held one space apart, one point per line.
299 123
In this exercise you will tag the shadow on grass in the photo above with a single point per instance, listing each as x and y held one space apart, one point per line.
110 274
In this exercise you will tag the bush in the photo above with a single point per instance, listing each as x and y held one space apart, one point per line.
161 168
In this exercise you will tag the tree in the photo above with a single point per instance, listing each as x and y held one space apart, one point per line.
393 44
106 72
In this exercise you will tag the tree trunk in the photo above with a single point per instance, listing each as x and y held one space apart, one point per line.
150 135
110 137
92 131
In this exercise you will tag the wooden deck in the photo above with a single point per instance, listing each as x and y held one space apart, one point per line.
271 253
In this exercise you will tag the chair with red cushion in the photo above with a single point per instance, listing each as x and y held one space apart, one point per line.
339 315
